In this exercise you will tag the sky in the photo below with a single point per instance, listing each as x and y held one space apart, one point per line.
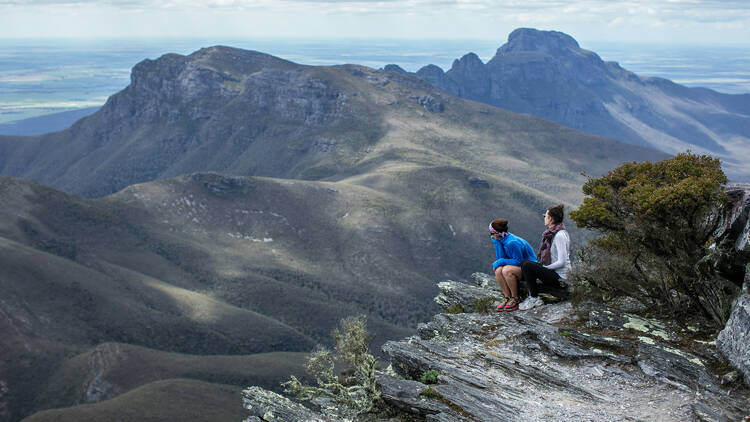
663 21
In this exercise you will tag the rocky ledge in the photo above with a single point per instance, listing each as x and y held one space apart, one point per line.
554 362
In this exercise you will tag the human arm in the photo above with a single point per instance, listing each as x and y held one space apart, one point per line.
513 255
560 243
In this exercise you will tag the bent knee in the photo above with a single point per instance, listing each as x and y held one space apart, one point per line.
509 269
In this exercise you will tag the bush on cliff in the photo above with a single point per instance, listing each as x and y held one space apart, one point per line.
656 222
354 395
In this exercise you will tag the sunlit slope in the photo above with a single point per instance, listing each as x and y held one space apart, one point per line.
174 399
111 369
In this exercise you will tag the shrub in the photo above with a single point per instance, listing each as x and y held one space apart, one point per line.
429 377
656 221
430 393
355 396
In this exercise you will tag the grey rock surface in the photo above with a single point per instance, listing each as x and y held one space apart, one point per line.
732 233
732 246
550 364
453 293
734 339
268 406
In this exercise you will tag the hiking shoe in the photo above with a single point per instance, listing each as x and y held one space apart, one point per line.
511 305
531 302
501 304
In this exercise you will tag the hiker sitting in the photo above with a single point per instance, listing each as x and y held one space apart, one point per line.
510 251
554 260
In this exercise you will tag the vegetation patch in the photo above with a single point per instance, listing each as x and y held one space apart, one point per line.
484 305
656 222
454 309
357 394
429 377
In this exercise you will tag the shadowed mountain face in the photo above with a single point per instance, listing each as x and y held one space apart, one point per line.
547 74
381 184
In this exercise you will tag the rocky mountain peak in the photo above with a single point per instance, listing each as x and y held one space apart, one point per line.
529 39
547 74
469 62
236 60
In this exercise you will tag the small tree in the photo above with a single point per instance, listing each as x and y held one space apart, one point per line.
659 218
356 395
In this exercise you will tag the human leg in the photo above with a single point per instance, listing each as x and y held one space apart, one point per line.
533 271
512 274
501 281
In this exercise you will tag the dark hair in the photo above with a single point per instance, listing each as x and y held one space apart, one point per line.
500 224
557 213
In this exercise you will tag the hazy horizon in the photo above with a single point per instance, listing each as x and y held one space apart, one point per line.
44 76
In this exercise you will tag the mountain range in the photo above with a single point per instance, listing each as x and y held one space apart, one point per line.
217 217
548 75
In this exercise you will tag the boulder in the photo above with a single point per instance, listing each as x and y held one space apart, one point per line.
734 339
268 406
463 297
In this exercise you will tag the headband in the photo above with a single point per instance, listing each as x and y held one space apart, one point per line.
495 232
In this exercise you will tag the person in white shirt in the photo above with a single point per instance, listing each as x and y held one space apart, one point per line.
554 259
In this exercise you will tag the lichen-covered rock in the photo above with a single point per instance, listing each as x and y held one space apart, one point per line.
454 294
406 395
734 339
498 366
485 281
548 364
673 366
612 319
268 406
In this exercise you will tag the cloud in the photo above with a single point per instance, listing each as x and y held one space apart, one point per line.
585 19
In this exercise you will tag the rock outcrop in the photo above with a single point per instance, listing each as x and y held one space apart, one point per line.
733 255
553 363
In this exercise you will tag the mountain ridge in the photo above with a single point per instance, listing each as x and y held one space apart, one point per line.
183 114
548 75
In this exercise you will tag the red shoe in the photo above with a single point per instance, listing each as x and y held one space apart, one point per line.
511 305
501 306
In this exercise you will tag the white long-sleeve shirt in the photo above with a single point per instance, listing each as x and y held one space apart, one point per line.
560 254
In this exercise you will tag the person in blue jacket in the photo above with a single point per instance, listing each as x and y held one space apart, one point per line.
510 251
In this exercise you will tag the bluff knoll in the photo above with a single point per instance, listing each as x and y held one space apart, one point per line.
548 75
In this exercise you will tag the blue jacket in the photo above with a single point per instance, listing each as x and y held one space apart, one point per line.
511 250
